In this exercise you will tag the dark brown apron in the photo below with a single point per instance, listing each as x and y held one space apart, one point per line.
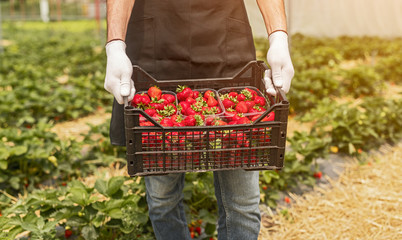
185 39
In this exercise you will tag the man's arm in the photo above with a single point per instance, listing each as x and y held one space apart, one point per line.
118 15
118 67
278 57
273 12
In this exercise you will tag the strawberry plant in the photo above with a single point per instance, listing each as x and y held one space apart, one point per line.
89 212
389 68
309 87
362 81
30 156
38 80
373 122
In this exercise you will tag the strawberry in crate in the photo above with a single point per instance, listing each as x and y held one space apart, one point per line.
197 102
243 105
158 104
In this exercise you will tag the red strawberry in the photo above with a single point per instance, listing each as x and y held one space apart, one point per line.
150 111
179 124
183 92
233 94
287 199
249 94
190 121
169 98
254 117
142 118
269 117
237 117
216 109
145 99
198 230
253 110
209 93
229 114
212 102
190 111
243 120
318 175
166 122
259 100
157 104
250 104
209 121
184 105
190 100
227 103
141 100
256 109
232 122
157 117
176 118
219 122
136 100
155 92
196 94
242 107
146 124
241 97
251 91
68 233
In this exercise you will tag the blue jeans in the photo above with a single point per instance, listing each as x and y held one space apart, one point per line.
238 196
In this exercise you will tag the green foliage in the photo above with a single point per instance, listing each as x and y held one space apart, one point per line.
31 156
320 56
91 212
309 87
390 67
362 81
373 122
52 74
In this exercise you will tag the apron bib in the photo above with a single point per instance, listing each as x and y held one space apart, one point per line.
185 39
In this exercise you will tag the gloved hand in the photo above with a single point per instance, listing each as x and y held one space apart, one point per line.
118 71
278 58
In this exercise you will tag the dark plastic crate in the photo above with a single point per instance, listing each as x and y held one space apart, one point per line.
158 150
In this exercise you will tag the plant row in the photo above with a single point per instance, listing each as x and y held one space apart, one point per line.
50 73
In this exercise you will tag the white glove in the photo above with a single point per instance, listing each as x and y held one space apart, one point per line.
118 71
278 58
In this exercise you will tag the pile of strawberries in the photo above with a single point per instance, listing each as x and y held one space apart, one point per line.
243 106
188 107
202 107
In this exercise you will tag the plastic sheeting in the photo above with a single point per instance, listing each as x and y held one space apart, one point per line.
332 18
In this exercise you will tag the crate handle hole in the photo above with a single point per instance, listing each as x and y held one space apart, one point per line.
281 156
131 163
130 142
282 134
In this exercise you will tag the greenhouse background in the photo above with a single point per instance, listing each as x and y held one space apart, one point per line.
329 18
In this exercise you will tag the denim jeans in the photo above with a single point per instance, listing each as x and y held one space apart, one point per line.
238 196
